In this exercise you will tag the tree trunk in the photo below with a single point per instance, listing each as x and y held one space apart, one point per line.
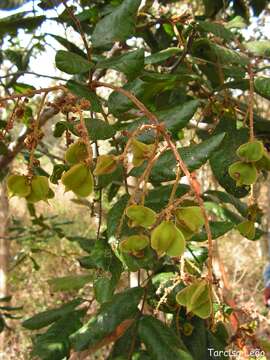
4 242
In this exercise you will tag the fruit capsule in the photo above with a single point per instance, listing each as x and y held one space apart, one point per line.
189 218
75 176
86 188
18 185
40 190
106 164
141 152
140 215
167 238
134 243
76 153
251 151
243 173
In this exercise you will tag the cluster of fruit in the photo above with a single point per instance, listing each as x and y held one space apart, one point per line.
168 237
254 158
33 190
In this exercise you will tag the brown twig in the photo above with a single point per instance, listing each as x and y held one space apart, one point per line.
32 92
251 102
35 137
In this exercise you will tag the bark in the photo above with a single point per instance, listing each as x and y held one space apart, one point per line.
4 242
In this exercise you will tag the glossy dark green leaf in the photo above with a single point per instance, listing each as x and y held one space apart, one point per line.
143 90
98 129
262 86
212 7
70 46
61 127
259 47
129 64
71 63
54 344
162 55
216 29
225 155
223 197
175 119
13 23
218 228
205 49
103 289
118 25
12 4
83 91
111 314
47 317
160 341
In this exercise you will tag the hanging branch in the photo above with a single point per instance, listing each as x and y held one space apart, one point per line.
191 178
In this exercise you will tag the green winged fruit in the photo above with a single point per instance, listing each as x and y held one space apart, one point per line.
251 151
243 173
106 164
141 152
86 188
140 215
167 238
79 180
264 162
18 185
189 219
196 298
134 243
40 190
76 153
247 229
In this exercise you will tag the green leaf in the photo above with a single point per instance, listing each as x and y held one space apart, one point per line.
236 23
69 283
160 341
98 129
194 157
47 317
223 197
68 45
111 314
161 56
262 86
144 91
54 344
225 155
103 289
3 148
61 126
118 25
212 7
71 63
218 228
158 198
259 47
84 92
205 49
174 119
130 64
13 23
216 29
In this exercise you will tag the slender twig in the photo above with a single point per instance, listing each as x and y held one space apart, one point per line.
32 92
35 136
251 102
